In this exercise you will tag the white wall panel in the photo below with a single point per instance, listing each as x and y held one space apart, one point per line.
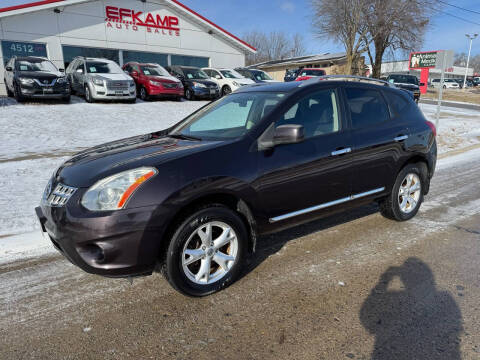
39 22
82 26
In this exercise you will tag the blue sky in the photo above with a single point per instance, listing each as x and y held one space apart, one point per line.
238 17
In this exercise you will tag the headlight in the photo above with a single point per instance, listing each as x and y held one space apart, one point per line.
131 83
236 84
199 85
113 192
98 82
155 83
26 81
62 80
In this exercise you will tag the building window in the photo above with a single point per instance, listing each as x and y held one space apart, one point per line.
145 57
70 52
17 48
184 60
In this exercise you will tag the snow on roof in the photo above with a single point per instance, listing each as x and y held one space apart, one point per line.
46 4
301 60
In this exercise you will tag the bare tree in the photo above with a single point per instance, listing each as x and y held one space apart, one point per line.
343 21
273 46
460 59
475 63
394 25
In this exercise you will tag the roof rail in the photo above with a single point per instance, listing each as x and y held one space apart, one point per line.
355 78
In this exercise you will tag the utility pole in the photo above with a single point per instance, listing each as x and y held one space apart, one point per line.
471 37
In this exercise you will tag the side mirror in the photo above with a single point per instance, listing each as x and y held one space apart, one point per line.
288 134
422 84
61 70
9 68
80 71
134 73
218 77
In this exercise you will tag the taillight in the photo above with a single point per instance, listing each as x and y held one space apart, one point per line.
434 129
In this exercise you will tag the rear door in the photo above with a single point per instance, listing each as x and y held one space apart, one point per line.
314 173
377 139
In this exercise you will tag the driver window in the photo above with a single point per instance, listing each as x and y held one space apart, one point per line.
316 112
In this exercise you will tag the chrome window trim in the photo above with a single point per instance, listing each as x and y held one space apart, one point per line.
325 205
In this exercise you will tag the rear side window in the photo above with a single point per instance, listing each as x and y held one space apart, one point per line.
367 107
397 103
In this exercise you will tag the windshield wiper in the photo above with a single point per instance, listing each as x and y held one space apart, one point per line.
184 137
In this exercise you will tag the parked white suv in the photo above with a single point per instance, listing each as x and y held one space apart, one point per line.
447 84
227 79
100 79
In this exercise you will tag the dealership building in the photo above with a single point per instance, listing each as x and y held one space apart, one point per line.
157 31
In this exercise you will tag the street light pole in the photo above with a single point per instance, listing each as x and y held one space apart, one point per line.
471 37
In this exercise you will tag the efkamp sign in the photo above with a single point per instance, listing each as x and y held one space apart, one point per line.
422 60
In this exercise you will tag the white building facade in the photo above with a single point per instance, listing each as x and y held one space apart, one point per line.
159 31
401 67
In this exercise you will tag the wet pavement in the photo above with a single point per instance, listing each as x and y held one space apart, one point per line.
353 286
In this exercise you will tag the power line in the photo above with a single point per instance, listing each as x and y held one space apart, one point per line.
460 18
459 7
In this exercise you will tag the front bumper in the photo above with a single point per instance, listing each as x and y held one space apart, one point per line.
160 92
114 244
103 93
45 92
206 92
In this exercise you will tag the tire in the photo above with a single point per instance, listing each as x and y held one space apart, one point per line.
189 279
444 87
189 95
144 94
226 90
88 95
400 207
17 94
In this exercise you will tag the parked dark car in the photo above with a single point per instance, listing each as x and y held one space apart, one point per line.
196 83
256 75
406 82
35 78
291 74
192 200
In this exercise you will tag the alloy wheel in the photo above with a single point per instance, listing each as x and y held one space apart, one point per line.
143 93
209 253
409 193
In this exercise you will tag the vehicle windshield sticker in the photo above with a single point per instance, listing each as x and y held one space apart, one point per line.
23 67
146 72
190 76
93 69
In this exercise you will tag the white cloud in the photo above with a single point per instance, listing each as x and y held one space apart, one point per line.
288 6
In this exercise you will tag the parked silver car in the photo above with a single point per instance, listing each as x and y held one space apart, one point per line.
100 79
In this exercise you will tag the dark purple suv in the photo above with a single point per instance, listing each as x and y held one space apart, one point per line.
194 199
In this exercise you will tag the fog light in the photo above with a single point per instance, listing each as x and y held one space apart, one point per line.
92 253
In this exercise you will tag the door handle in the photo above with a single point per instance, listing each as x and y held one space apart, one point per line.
401 138
341 151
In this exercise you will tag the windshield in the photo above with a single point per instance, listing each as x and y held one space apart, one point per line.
151 70
230 117
403 79
230 74
36 65
194 74
94 67
261 75
312 73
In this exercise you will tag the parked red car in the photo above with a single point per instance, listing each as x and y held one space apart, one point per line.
307 73
152 80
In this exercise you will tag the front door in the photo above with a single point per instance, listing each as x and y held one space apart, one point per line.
298 179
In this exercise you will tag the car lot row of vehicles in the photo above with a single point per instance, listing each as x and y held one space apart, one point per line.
102 79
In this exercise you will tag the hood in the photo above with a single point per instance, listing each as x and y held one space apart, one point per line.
40 74
244 81
91 165
168 79
204 82
111 76
406 86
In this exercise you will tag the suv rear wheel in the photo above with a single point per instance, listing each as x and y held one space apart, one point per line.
207 251
407 194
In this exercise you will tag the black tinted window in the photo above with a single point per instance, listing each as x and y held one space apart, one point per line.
397 103
367 107
316 112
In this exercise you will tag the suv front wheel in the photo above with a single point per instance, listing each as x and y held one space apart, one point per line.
407 194
207 251
88 95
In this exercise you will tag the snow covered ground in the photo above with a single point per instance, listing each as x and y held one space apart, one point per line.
36 138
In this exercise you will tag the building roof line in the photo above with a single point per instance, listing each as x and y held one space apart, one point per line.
175 2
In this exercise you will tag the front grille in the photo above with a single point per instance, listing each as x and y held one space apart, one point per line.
60 195
117 85
170 85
